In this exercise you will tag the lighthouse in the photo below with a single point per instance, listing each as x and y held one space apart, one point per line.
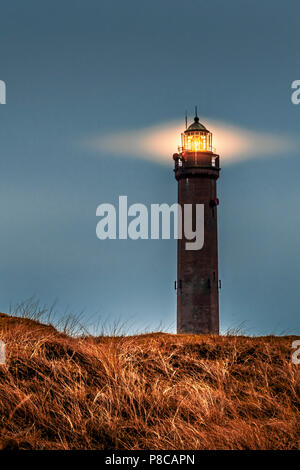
196 171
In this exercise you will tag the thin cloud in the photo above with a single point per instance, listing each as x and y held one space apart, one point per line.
159 142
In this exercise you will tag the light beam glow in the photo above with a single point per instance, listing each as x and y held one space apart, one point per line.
159 142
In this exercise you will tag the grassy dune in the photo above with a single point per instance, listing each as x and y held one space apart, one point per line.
155 391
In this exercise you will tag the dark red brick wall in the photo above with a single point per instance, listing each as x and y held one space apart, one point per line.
197 276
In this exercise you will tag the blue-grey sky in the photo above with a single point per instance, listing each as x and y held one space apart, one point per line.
76 69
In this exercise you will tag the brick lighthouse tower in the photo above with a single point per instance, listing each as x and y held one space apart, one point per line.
197 170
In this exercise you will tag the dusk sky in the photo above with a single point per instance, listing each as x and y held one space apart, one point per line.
94 90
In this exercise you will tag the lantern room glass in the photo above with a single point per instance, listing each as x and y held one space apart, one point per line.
196 141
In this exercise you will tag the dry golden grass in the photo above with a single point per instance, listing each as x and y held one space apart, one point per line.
155 391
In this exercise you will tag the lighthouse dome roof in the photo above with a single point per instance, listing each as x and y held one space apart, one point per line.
196 126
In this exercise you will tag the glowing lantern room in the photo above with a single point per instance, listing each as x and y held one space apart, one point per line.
196 138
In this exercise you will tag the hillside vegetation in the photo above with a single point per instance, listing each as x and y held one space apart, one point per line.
153 391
